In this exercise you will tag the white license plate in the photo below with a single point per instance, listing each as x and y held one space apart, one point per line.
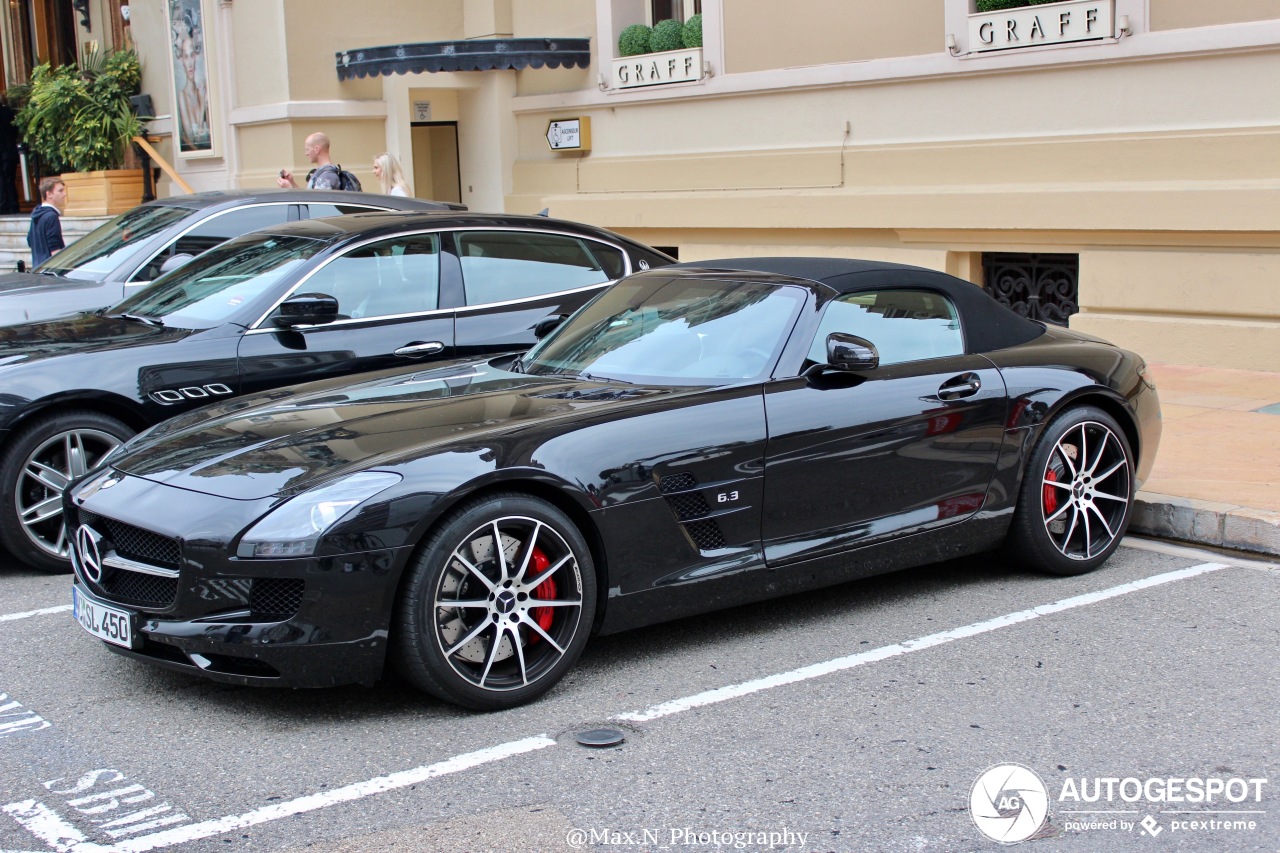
105 623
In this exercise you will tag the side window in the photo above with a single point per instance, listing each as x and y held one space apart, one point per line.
214 231
501 265
904 325
396 276
320 210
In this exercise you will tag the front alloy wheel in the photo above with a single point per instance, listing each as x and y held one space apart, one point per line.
498 605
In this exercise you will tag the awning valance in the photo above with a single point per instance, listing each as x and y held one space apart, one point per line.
472 55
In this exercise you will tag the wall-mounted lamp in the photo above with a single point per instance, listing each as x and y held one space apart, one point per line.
82 6
1123 27
952 48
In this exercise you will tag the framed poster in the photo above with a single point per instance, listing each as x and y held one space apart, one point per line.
192 104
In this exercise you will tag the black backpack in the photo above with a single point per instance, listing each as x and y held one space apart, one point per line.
346 180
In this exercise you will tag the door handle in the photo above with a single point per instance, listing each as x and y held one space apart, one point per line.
417 350
965 385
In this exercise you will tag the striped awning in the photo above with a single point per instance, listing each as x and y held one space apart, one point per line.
471 55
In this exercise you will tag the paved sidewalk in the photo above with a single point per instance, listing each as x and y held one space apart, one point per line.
1216 479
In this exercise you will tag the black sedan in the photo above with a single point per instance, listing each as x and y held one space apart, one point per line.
123 255
692 439
309 300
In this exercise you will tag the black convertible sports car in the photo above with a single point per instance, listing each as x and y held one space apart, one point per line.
122 256
695 437
306 300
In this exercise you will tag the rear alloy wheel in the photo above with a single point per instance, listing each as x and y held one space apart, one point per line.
498 604
37 466
1077 495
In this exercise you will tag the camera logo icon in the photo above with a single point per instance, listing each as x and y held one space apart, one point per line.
1009 803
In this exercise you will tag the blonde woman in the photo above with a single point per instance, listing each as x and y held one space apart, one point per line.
386 168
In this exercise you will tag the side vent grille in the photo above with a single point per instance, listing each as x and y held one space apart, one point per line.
691 509
706 533
677 482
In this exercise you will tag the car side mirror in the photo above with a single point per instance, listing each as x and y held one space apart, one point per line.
850 352
306 309
174 262
21 265
547 325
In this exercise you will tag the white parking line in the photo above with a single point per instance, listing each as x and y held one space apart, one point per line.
10 617
804 673
346 794
50 828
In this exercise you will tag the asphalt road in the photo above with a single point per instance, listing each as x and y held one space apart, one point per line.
858 718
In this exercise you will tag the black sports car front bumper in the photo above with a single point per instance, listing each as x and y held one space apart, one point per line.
194 607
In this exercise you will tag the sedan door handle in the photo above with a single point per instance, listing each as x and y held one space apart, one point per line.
416 350
965 385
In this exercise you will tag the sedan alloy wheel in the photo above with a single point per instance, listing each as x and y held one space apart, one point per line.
37 467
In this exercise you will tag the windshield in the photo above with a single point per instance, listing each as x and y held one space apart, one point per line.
97 253
660 331
212 288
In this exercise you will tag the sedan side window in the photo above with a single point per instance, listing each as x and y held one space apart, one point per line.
904 325
215 231
317 210
397 276
498 266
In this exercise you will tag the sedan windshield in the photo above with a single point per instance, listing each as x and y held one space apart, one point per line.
96 254
653 330
212 288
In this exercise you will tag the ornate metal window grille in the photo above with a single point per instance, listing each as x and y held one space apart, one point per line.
1041 287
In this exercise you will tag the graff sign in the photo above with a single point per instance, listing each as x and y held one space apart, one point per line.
656 69
1034 26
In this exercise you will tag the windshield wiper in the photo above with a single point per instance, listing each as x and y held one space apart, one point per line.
150 321
590 377
52 272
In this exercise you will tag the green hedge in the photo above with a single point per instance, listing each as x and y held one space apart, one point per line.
634 40
693 32
998 5
667 35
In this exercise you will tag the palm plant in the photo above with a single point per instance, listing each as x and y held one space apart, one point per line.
78 118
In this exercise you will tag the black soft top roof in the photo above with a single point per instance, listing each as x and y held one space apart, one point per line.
988 325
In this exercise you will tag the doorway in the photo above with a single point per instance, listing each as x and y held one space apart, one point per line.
436 172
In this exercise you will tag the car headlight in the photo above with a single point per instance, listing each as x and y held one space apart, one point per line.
293 528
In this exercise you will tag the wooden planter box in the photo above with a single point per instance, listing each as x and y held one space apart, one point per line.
102 193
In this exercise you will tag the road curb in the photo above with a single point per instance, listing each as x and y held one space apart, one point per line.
1207 523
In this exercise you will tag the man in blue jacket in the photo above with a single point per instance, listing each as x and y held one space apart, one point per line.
45 235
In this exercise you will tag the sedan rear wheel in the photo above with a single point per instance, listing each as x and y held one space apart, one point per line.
37 466
1077 494
497 606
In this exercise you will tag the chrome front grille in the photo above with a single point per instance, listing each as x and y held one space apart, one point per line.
138 588
126 543
135 543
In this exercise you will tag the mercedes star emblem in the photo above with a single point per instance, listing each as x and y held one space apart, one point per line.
87 540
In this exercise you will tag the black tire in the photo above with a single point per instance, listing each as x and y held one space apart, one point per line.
46 453
1071 514
504 649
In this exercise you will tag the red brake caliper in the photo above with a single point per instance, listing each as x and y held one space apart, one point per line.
1050 493
547 589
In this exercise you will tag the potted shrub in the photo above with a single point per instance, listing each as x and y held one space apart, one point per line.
634 40
79 120
667 35
1000 5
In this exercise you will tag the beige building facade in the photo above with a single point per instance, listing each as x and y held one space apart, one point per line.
1130 150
